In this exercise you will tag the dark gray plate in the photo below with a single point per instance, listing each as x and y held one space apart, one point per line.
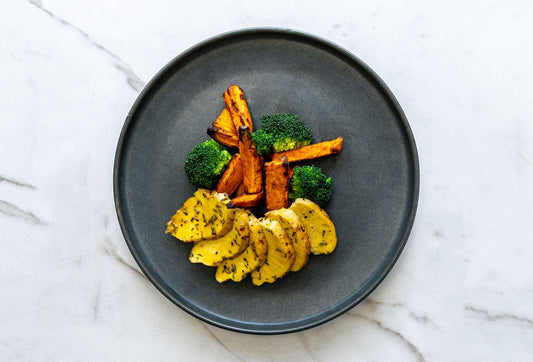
376 176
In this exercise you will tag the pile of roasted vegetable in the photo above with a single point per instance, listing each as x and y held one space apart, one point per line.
238 170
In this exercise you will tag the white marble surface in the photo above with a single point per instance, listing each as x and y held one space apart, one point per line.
462 289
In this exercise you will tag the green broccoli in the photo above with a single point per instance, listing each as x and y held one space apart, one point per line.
205 164
310 183
281 132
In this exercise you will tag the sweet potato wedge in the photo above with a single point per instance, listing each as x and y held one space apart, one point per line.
232 177
246 201
252 162
310 152
225 122
240 190
223 137
237 107
223 130
277 180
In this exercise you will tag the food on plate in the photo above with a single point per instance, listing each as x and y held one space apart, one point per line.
205 163
281 132
238 107
280 253
295 231
238 267
247 201
309 182
223 130
277 179
203 216
212 252
313 151
240 190
262 168
318 225
232 177
252 163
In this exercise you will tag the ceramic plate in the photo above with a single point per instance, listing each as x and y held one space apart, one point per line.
375 177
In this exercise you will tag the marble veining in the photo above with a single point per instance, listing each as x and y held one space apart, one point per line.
71 290
416 352
133 80
495 317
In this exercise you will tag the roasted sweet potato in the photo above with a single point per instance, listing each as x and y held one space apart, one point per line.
223 130
240 190
225 122
252 162
237 107
312 151
246 201
232 177
223 137
277 180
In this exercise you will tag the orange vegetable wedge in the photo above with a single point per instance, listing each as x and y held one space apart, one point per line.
246 201
232 177
238 107
252 162
312 151
277 180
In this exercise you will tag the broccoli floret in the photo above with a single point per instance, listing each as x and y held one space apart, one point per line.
263 142
310 183
281 132
205 164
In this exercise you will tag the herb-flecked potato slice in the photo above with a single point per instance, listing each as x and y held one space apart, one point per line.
280 253
213 252
251 258
318 225
296 232
203 216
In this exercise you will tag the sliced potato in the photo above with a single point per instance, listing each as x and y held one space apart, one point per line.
213 252
318 225
203 216
295 231
237 268
280 254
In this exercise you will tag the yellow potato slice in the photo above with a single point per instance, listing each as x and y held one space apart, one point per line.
251 258
203 216
318 225
280 253
295 231
213 252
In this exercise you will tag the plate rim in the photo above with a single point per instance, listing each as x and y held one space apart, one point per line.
346 304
